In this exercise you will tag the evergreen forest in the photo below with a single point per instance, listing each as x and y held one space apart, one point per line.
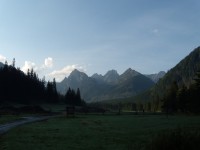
18 87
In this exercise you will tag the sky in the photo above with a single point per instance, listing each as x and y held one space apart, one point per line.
55 37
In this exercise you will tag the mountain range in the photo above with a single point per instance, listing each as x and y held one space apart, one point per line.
183 74
132 83
109 86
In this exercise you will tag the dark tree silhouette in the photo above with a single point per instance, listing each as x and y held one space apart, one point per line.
170 101
15 86
13 63
183 99
73 98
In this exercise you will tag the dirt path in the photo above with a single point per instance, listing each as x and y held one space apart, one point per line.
6 127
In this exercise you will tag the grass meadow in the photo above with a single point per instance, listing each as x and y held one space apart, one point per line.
94 132
8 118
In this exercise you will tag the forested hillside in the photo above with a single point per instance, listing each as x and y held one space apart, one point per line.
178 89
183 74
18 87
15 86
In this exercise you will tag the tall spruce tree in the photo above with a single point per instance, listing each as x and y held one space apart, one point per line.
73 98
170 100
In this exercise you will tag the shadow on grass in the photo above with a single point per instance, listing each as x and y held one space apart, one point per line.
176 139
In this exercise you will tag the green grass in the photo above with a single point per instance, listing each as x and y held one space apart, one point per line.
8 118
54 107
176 139
93 132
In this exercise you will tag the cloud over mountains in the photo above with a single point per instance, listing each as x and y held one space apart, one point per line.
2 58
47 68
60 74
48 63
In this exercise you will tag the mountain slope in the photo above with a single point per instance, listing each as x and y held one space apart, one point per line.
110 86
111 77
155 77
131 83
97 77
183 73
79 80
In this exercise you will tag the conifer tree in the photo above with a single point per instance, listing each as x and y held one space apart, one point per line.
170 100
13 63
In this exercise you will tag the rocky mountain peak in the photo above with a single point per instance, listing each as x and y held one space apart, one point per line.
109 86
77 75
97 76
129 73
111 76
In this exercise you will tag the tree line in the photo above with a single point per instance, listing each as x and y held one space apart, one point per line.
73 98
18 87
176 99
183 99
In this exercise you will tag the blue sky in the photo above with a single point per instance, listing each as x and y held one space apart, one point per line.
56 36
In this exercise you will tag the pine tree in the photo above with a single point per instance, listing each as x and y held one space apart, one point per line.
195 94
197 80
32 73
28 73
13 63
55 93
73 98
170 100
78 97
68 96
5 68
182 98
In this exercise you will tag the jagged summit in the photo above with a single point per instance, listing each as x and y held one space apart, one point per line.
75 71
97 76
110 86
111 76
77 75
129 73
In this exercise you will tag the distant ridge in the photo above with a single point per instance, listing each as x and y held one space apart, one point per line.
155 77
108 86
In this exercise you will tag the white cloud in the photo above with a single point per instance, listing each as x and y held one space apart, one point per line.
48 62
29 65
2 58
43 69
60 74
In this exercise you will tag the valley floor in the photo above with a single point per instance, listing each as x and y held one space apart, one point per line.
89 132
